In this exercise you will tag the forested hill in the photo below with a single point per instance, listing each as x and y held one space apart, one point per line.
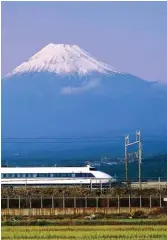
151 168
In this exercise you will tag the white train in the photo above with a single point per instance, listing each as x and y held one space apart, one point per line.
53 176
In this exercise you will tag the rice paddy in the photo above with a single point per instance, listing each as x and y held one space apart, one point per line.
118 232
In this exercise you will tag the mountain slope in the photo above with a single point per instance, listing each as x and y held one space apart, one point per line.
63 91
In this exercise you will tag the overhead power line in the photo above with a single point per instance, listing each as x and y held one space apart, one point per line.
87 139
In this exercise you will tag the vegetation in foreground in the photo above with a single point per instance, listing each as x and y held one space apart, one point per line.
124 232
136 219
78 191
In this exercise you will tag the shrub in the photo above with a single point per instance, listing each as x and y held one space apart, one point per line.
139 214
156 212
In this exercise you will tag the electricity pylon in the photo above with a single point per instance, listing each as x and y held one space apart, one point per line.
127 144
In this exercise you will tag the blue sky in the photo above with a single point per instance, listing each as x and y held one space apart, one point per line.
131 36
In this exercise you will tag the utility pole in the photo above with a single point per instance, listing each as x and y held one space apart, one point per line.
127 144
126 157
138 138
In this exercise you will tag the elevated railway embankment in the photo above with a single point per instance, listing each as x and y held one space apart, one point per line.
149 184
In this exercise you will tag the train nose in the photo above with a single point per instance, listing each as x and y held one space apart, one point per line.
107 176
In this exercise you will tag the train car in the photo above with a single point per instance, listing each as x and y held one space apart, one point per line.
53 176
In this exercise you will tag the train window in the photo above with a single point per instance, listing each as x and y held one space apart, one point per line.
41 175
80 175
90 175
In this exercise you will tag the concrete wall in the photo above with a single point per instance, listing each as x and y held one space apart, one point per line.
70 211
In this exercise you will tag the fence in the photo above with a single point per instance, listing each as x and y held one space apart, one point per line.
83 202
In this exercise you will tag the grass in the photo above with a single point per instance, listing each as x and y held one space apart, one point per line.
122 232
159 221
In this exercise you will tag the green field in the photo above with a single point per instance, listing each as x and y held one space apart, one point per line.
124 232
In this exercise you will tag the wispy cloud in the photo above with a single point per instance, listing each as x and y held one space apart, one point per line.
76 90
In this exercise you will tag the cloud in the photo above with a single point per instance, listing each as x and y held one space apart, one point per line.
76 90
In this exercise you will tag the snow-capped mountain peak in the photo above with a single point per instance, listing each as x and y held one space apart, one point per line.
63 59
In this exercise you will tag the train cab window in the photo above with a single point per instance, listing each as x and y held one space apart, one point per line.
92 169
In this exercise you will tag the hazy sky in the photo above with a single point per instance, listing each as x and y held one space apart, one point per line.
131 36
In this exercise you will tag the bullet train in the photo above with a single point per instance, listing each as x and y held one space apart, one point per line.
14 176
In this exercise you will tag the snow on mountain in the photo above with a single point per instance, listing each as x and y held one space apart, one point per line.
63 59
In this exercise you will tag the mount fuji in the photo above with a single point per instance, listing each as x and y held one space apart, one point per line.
63 91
